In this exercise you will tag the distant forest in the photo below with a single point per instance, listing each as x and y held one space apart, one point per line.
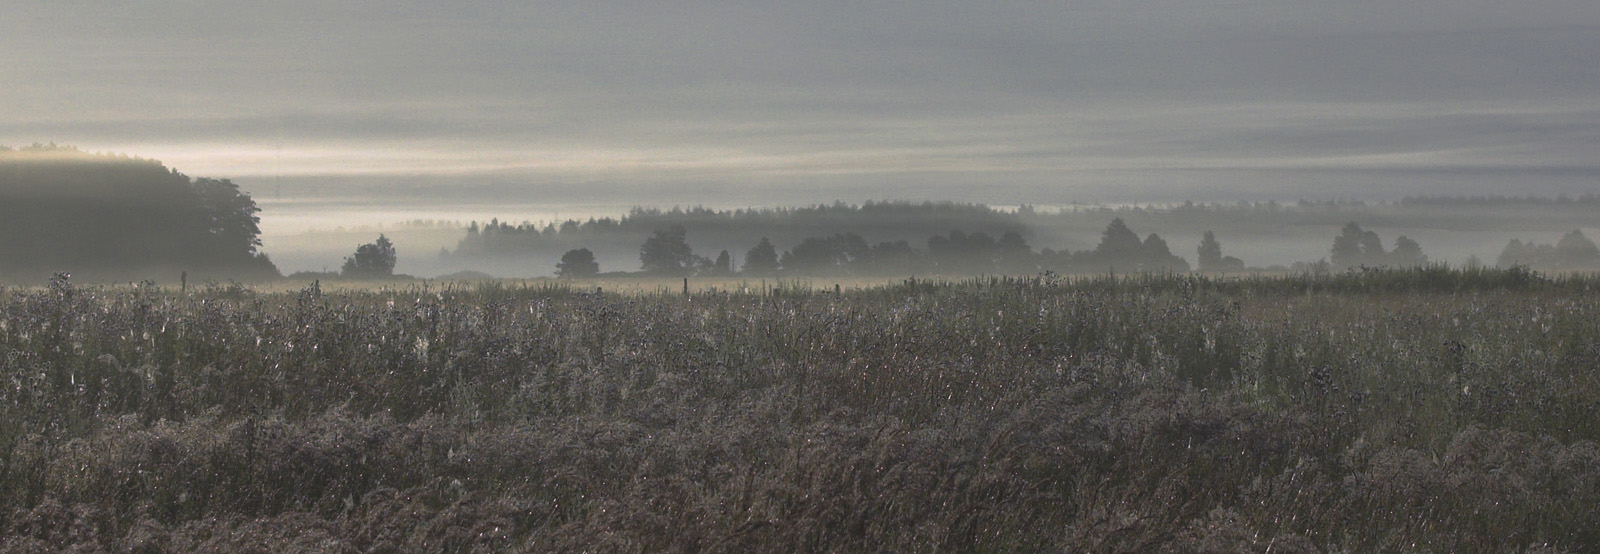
112 217
896 219
1590 199
118 218
831 240
905 238
505 248
955 253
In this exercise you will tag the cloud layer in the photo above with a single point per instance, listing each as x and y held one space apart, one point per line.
1095 100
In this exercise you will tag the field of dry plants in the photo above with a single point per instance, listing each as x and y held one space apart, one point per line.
1424 410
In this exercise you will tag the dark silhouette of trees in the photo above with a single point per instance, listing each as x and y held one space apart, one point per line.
1407 253
1154 255
511 247
1232 264
1118 243
667 253
942 253
1356 247
1499 201
1211 258
723 264
826 255
892 258
959 252
374 260
1576 251
1210 253
1121 249
231 221
1573 251
103 216
1372 247
762 259
577 263
962 253
1014 256
1527 254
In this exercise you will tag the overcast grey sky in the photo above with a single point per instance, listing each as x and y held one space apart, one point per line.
1094 100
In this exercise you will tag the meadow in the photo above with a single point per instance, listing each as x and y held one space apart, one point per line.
1419 410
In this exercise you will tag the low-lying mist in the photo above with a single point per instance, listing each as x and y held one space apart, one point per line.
528 242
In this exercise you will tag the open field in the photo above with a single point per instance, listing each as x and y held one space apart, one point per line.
1426 410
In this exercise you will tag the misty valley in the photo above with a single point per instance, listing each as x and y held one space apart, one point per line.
1419 375
616 276
111 218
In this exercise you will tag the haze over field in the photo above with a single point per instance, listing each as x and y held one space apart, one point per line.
959 276
369 113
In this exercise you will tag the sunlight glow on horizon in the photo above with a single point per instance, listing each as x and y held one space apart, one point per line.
230 161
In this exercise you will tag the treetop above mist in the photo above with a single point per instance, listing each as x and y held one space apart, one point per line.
117 217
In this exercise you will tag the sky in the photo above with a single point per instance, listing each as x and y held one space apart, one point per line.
758 103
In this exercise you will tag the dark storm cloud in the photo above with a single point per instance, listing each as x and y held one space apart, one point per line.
1093 94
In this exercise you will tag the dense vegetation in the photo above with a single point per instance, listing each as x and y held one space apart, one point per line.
1573 251
115 218
903 238
1419 410
526 248
959 253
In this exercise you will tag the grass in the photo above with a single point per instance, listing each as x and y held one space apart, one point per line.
1409 410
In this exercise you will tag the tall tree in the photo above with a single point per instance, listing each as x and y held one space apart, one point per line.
1357 247
762 259
1210 252
667 252
1575 251
1118 242
577 263
1372 247
1407 253
230 215
1525 254
374 260
1155 255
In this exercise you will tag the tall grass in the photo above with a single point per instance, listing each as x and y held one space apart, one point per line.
1408 410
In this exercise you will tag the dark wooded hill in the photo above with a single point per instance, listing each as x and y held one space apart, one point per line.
113 218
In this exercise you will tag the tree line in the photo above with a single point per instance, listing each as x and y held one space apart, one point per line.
117 217
668 253
897 220
120 217
1573 252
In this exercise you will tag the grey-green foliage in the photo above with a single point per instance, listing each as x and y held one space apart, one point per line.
1357 247
577 263
373 260
667 252
1573 251
1209 256
1426 409
825 255
111 217
762 259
